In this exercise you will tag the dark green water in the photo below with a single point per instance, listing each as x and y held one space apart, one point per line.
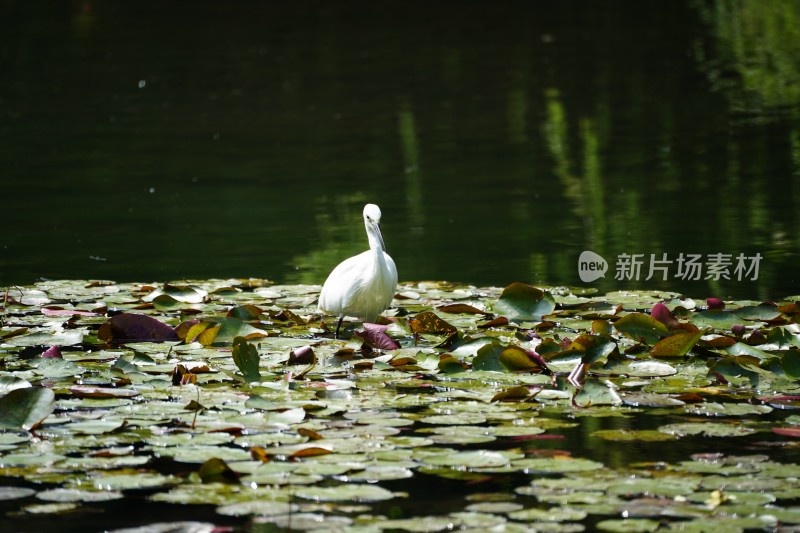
155 141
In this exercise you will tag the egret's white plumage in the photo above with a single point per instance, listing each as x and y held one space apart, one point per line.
363 285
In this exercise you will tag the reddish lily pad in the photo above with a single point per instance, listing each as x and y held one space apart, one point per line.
130 327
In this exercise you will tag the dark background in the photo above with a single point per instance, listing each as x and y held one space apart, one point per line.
156 141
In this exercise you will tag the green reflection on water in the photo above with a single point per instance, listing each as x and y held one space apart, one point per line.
500 142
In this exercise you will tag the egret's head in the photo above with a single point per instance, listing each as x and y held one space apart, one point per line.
372 213
372 221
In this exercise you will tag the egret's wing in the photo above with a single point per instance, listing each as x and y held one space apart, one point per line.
343 285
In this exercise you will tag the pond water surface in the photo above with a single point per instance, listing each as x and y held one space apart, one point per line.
157 141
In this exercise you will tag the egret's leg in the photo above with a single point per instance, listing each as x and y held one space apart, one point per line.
336 335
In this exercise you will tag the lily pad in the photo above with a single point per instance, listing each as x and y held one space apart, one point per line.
524 302
26 408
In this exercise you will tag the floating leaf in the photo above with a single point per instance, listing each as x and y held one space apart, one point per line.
787 432
469 459
676 345
512 394
247 312
216 470
488 358
449 364
596 392
374 336
516 359
524 302
356 492
628 435
130 327
594 347
762 312
15 493
9 383
53 368
26 408
460 308
230 328
52 310
723 320
428 322
89 391
247 360
741 348
641 328
708 429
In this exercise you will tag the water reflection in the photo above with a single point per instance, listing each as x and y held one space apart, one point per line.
500 142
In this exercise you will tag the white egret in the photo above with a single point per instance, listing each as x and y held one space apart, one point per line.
363 285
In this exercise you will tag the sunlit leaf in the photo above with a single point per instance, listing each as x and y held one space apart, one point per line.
230 328
26 408
708 429
216 470
641 328
594 347
15 493
90 391
428 322
524 302
246 358
512 394
356 492
596 392
130 327
763 312
676 345
488 358
468 459
246 312
460 308
449 364
722 320
374 336
628 435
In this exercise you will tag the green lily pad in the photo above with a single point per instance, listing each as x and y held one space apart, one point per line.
706 429
26 408
676 345
356 492
15 493
470 459
628 435
524 302
641 328
78 495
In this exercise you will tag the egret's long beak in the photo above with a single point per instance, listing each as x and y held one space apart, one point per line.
377 226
